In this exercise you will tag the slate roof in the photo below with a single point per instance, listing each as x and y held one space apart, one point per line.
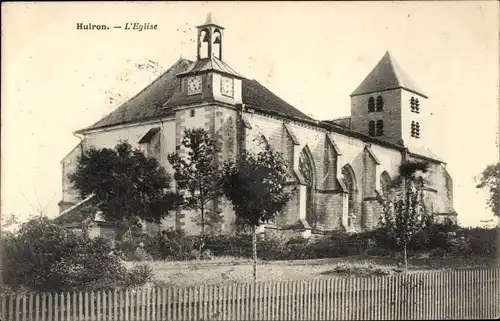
148 102
387 75
258 96
210 64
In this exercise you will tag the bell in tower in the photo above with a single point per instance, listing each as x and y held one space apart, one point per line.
210 39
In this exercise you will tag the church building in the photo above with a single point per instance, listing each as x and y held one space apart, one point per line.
339 168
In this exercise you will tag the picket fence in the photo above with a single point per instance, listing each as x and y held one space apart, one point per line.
464 294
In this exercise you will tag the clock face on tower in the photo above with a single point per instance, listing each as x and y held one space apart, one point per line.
227 86
194 85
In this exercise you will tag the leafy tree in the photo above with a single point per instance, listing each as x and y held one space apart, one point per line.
255 184
45 257
198 175
127 186
403 214
490 179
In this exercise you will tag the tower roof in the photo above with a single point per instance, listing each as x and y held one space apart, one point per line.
387 75
210 21
210 64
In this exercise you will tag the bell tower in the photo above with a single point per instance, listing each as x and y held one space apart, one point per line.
208 79
388 105
210 39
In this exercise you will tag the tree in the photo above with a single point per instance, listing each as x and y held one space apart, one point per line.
490 179
255 185
45 257
199 174
403 212
127 186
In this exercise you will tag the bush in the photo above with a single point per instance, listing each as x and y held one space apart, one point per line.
175 244
481 241
139 274
231 245
437 252
363 269
46 257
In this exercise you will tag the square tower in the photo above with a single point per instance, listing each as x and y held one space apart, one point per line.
389 106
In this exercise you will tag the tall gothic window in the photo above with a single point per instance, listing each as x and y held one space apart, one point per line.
349 182
380 103
371 104
306 169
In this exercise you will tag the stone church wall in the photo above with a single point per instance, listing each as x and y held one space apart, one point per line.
330 204
367 160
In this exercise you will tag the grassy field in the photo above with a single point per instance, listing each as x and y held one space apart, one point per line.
193 273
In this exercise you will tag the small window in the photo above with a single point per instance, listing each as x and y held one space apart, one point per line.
414 105
380 127
415 129
380 103
371 128
371 104
192 112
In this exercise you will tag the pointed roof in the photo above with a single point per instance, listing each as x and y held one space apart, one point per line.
210 21
210 64
387 75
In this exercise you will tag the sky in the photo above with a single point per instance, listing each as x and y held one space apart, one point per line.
57 79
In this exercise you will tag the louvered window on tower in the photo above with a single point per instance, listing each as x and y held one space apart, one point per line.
371 128
415 129
415 105
380 103
380 127
371 104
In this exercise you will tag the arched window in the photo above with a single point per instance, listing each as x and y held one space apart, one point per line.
306 169
217 44
385 182
350 184
203 43
371 104
380 103
380 128
371 128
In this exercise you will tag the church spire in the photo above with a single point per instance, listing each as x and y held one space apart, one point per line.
210 39
387 75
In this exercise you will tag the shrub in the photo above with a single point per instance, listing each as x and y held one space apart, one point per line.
175 244
481 241
139 274
362 269
46 257
437 252
231 245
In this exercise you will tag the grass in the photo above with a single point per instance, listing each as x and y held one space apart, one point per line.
193 273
